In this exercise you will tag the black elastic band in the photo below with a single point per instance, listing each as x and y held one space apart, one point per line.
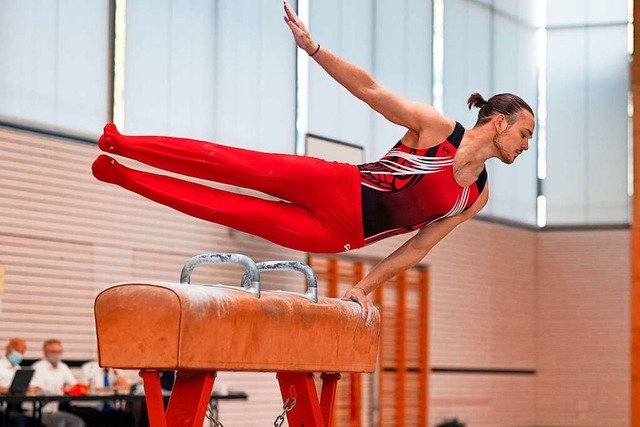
315 51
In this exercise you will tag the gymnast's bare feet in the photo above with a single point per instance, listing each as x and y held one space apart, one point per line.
108 170
110 139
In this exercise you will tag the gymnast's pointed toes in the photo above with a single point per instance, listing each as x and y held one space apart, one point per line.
106 169
109 138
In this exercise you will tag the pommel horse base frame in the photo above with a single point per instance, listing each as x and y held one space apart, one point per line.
200 330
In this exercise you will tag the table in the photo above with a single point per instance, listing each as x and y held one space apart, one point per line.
38 401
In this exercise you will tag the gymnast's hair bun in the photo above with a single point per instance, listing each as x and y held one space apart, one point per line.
476 100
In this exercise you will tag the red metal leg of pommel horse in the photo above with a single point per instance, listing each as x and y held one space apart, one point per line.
306 410
189 400
200 330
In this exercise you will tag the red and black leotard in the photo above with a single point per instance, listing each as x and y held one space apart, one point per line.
410 188
323 206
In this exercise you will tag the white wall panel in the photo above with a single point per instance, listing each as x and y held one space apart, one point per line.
390 68
256 77
419 41
599 11
567 12
356 37
587 126
403 61
83 66
54 58
607 125
191 68
170 68
566 127
514 187
277 83
324 93
580 12
220 71
467 57
526 11
392 41
238 71
344 28
148 81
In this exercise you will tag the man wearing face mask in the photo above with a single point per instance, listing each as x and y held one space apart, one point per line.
53 376
10 363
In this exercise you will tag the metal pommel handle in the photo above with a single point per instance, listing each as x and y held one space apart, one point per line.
250 279
312 280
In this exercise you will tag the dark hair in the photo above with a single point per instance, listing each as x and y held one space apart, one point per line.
503 103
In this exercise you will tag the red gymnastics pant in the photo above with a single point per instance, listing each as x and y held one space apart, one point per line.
320 207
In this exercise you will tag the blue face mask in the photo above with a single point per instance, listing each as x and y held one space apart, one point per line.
14 357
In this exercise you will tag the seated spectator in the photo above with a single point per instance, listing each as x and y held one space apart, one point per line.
52 375
9 364
101 380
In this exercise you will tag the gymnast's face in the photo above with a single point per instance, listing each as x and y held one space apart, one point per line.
511 140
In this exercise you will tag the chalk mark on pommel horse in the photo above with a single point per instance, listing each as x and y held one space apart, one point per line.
199 330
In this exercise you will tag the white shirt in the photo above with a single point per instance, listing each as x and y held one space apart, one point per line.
92 375
7 371
52 380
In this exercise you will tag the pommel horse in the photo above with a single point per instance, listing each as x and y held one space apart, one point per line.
199 330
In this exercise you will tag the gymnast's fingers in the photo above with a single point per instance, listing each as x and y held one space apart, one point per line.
297 32
369 315
363 301
290 14
365 309
352 295
293 17
348 295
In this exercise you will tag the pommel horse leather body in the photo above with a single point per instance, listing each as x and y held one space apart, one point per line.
178 326
201 329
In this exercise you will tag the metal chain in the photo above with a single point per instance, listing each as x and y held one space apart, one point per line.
289 404
212 418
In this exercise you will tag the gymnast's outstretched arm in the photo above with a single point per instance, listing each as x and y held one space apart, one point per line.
408 255
419 117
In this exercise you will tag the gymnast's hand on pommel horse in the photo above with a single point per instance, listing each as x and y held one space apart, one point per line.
200 330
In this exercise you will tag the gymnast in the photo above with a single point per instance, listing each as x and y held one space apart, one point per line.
432 180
